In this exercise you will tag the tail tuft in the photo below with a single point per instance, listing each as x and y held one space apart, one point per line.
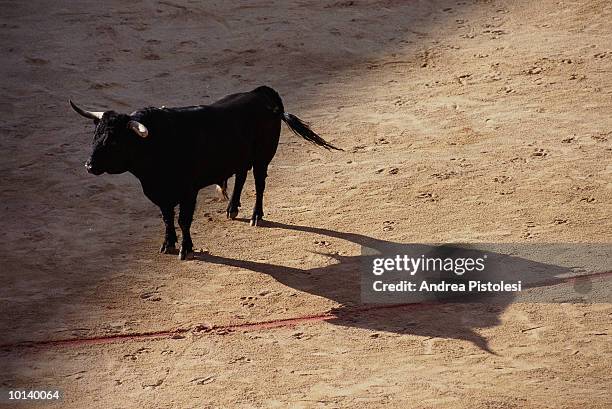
302 129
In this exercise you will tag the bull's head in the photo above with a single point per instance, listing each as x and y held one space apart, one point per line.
115 139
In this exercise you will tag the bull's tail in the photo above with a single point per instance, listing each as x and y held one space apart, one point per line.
302 129
299 127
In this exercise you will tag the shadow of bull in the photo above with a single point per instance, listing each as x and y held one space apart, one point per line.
546 273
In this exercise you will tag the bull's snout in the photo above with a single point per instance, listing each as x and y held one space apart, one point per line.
90 169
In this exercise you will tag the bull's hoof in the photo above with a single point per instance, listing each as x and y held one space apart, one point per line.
167 248
255 221
184 253
232 214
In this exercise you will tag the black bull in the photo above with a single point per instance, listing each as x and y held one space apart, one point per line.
175 152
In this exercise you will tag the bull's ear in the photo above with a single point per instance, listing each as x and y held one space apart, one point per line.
139 128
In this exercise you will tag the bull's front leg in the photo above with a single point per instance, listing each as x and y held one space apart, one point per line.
187 207
169 244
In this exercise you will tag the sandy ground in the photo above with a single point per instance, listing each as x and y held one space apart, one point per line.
471 121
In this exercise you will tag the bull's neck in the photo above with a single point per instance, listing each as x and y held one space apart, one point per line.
154 170
144 168
143 172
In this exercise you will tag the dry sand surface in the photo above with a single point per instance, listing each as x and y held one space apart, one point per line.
469 121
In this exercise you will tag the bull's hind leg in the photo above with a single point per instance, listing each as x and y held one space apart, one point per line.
234 203
168 246
260 172
187 207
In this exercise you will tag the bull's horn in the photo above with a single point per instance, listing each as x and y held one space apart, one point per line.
86 114
139 128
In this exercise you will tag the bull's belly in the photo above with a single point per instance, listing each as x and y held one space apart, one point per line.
207 176
168 187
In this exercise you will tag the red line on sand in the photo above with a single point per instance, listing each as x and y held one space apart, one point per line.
250 326
177 333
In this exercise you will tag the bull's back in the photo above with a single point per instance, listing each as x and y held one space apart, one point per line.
233 134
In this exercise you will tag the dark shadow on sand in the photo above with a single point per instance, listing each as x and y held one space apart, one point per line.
340 282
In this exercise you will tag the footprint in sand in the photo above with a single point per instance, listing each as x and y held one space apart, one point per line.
103 85
36 61
444 175
388 225
428 197
534 70
539 152
502 179
301 335
399 101
240 360
322 243
341 4
528 233
202 380
601 137
149 54
464 78
151 295
391 171
248 301
152 385
381 141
